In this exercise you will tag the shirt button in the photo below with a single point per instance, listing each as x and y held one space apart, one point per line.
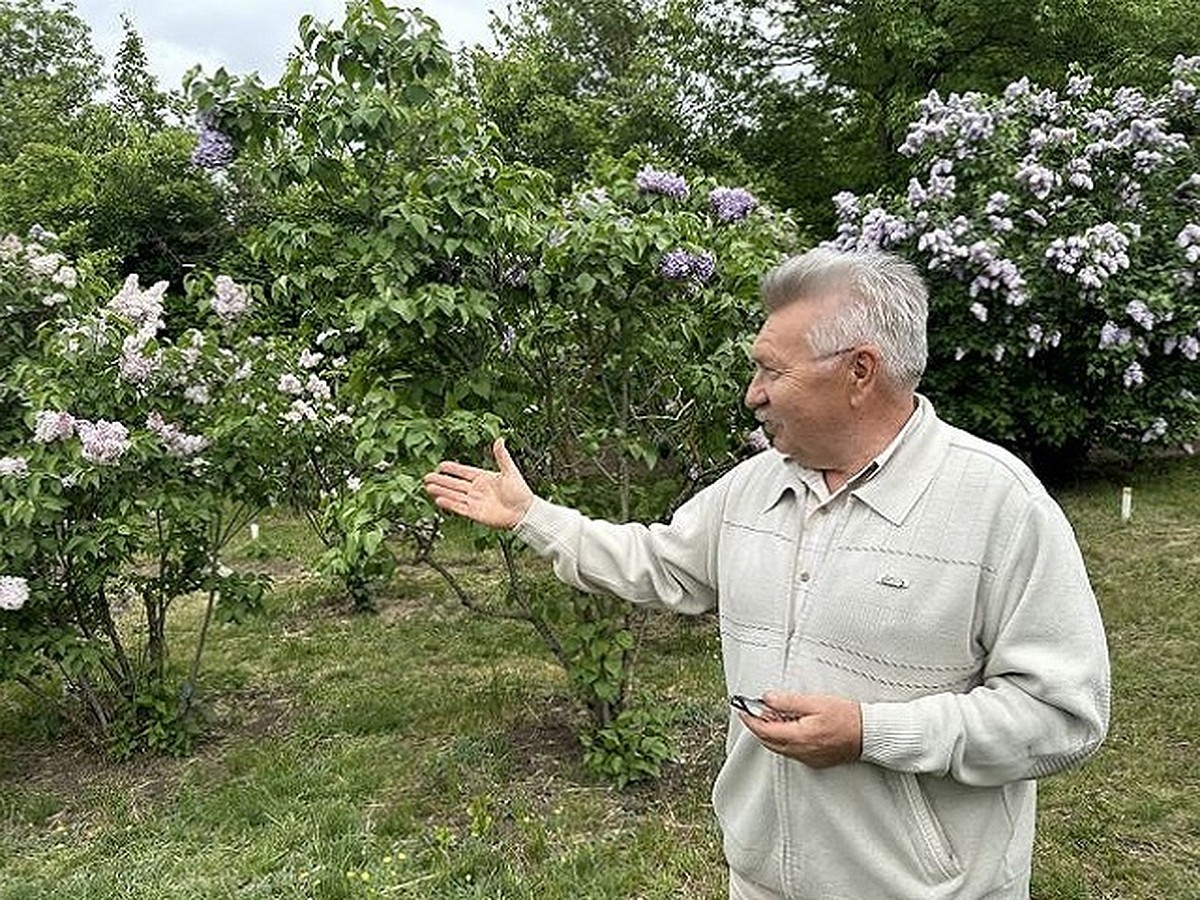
804 576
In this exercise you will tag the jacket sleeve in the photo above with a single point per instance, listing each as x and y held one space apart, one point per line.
1043 704
672 565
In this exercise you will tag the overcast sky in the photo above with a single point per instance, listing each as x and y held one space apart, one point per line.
246 35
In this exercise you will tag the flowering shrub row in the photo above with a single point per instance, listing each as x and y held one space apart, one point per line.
1059 228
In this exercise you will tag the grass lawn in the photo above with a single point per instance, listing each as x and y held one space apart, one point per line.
428 753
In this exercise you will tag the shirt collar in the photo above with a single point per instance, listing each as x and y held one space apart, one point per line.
911 459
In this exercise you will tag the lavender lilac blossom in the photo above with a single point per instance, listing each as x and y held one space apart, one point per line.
680 265
653 181
214 149
731 204
232 301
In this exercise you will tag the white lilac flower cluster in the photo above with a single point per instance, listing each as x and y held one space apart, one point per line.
731 204
143 309
309 388
14 592
50 271
1184 90
681 265
231 300
653 181
1188 240
53 425
14 467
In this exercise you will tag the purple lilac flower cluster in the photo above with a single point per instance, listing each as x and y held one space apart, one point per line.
878 228
731 204
653 181
214 149
680 265
14 592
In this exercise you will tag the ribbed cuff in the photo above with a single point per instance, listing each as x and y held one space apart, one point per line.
537 528
892 735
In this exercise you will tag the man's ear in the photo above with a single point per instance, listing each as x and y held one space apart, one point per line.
865 367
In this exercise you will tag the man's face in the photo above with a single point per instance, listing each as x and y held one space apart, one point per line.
800 397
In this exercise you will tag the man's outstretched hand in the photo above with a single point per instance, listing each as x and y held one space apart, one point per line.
499 499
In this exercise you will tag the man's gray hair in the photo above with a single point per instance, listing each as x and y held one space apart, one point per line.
884 301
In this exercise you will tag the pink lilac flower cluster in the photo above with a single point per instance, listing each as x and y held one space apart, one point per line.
14 592
653 181
731 204
53 425
680 265
143 309
757 441
104 442
174 439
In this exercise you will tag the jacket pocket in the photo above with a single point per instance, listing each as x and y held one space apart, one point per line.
930 843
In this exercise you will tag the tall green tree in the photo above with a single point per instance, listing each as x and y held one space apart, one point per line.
138 99
49 72
573 79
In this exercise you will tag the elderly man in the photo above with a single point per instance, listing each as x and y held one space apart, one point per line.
907 599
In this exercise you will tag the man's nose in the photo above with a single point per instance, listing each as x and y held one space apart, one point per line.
755 395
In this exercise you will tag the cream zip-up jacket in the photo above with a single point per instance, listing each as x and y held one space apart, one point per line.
953 604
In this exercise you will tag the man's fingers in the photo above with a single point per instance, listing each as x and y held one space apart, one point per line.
792 704
459 470
503 458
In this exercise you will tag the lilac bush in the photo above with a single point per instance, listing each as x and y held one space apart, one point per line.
1060 230
135 455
